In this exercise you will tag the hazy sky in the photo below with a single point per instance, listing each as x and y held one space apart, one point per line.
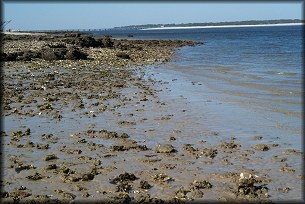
78 15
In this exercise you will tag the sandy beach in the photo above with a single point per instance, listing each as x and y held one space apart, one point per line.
85 121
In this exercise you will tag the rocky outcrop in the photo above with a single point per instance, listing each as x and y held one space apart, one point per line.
49 54
53 53
75 54
75 46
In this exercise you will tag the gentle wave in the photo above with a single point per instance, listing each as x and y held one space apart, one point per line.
281 73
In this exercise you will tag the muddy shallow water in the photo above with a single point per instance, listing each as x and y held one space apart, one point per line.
206 111
122 135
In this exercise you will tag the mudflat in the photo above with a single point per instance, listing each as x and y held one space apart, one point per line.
84 121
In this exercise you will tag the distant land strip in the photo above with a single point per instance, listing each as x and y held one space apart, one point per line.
224 26
227 24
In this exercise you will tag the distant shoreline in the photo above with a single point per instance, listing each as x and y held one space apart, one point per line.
223 26
22 33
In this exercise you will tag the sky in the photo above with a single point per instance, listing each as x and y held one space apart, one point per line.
100 15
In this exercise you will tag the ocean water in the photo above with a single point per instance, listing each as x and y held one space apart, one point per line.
245 81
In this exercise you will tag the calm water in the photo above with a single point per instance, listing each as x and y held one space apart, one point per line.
247 81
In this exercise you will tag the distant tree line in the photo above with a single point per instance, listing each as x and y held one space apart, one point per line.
250 22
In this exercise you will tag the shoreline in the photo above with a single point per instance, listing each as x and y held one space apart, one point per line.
22 33
225 26
105 129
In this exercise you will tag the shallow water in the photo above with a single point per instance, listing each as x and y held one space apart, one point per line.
251 78
212 116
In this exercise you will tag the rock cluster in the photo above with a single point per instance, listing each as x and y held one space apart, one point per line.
73 46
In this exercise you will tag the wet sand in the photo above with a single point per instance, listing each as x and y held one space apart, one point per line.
104 129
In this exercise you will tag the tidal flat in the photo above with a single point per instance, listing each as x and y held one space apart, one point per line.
83 121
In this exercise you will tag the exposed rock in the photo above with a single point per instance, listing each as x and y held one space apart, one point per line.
189 148
144 185
73 35
66 170
126 177
121 197
53 53
9 56
75 54
19 166
284 190
228 145
200 185
36 176
162 177
246 187
87 41
143 198
28 55
123 55
105 134
292 151
106 42
51 166
286 168
117 148
123 187
165 148
56 45
210 153
261 147
50 157
15 195
258 137
20 133
126 123
181 193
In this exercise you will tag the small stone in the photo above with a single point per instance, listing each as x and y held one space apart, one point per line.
87 177
162 177
261 147
201 185
181 193
126 177
292 151
210 153
284 190
172 138
258 137
22 188
50 157
51 166
36 176
86 194
144 185
285 168
165 148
